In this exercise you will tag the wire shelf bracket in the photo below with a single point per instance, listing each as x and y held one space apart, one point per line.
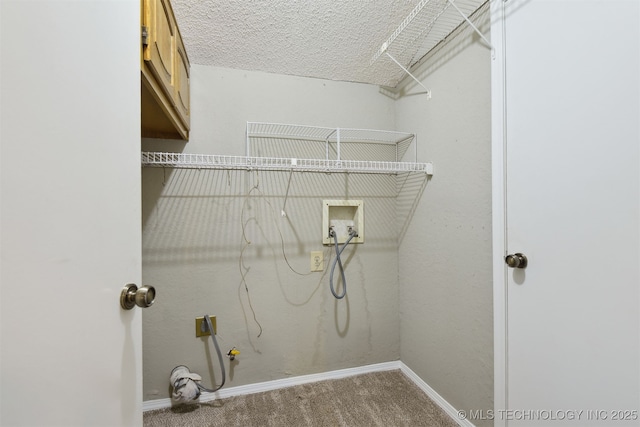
471 24
423 23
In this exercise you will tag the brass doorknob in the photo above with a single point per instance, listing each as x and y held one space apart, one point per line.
132 296
516 260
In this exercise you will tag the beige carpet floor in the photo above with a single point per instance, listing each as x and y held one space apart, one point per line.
386 399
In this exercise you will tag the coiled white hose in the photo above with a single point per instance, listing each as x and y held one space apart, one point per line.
183 381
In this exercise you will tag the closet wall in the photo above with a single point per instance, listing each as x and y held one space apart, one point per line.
445 256
197 225
419 288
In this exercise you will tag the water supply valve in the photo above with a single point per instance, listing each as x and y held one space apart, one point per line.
340 218
233 353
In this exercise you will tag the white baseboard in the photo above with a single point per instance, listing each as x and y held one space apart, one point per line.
150 405
439 400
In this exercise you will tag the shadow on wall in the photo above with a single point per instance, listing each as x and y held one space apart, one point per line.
411 186
199 215
201 218
454 44
459 40
217 240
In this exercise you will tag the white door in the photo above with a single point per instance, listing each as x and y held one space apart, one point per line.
567 325
70 213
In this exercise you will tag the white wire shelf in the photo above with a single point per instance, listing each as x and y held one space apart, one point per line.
430 22
287 147
215 161
312 139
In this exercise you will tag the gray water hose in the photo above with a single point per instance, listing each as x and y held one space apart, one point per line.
337 260
207 319
186 385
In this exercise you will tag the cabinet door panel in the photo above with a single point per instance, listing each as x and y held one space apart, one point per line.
182 82
165 111
159 54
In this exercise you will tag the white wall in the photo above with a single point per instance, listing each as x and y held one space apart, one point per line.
193 240
445 258
432 266
427 256
70 126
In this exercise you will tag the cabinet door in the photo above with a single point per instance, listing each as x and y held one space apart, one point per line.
182 82
159 52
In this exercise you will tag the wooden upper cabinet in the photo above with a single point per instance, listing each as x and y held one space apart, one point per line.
159 49
165 74
182 81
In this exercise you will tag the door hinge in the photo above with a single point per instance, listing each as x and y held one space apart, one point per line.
145 35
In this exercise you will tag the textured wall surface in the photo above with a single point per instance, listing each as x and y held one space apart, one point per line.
208 236
411 296
445 258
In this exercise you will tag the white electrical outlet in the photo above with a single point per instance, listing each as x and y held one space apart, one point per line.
317 261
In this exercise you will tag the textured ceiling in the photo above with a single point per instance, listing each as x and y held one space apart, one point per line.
328 39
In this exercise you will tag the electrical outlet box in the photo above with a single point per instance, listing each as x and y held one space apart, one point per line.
317 261
201 326
342 215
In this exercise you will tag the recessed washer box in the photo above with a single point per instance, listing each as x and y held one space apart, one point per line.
342 215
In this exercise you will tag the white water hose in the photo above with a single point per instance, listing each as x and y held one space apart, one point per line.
186 385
